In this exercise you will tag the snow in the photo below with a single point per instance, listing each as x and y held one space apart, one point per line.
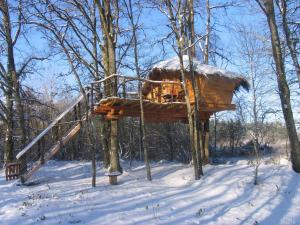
173 64
225 195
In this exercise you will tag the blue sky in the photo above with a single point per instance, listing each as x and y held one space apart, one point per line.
155 27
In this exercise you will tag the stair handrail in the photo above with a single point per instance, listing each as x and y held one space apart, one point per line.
51 125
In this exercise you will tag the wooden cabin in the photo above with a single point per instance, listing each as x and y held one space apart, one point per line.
216 85
164 97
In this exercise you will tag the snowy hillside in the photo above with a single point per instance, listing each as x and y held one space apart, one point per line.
225 195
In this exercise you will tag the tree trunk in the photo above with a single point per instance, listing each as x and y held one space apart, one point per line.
170 142
137 68
207 32
104 137
114 165
284 91
290 42
206 140
179 32
195 85
14 85
109 62
141 140
9 142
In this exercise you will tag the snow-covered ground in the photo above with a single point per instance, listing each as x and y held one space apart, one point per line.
225 195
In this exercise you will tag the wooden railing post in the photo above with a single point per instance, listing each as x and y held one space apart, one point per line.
172 93
159 92
152 91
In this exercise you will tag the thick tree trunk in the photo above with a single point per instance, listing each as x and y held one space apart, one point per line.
14 86
191 120
114 165
284 91
109 62
205 136
9 142
195 85
11 70
179 32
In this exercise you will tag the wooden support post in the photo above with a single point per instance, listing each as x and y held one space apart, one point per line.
172 93
152 91
159 93
206 140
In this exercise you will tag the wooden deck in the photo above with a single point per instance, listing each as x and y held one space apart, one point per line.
115 108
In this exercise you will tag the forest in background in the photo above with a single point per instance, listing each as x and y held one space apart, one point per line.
60 44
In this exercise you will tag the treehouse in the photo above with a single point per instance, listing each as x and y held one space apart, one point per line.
116 96
164 96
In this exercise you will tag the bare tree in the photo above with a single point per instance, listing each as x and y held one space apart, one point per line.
134 27
290 40
255 65
177 12
109 15
11 76
267 7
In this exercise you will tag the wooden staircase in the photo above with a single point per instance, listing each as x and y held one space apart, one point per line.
52 139
57 135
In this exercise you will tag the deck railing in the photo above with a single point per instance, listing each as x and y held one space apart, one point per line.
127 87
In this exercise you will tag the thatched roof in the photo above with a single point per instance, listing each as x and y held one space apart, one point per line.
171 69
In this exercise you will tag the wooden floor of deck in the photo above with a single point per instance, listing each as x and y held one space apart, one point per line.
115 108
